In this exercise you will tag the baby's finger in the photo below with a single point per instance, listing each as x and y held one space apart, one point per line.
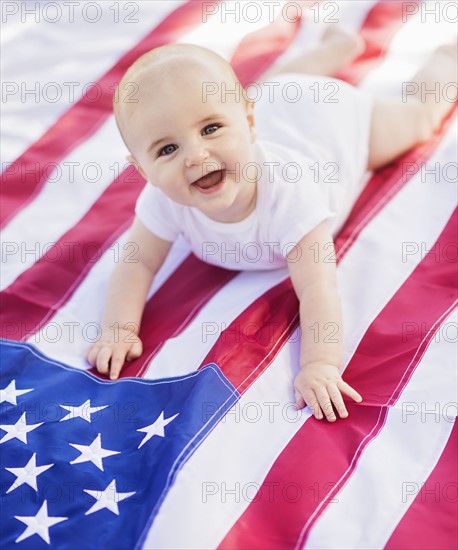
103 357
337 400
348 390
91 355
116 363
300 403
326 404
135 351
312 403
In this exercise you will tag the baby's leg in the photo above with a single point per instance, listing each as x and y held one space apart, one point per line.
336 48
396 127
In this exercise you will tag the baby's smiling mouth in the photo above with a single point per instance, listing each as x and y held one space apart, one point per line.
210 180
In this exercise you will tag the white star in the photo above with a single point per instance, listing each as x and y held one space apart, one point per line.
38 524
93 452
18 430
156 428
108 498
28 473
10 393
84 411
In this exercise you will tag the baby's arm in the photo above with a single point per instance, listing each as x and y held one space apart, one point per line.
313 274
127 291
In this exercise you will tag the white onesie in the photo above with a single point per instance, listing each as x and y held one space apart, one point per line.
313 154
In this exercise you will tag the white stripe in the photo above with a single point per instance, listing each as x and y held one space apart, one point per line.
399 460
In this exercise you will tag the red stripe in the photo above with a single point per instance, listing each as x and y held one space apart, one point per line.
431 520
321 453
24 179
378 29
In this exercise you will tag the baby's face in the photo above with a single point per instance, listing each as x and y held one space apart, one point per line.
177 135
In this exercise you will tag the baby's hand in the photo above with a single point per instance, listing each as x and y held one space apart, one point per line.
112 350
319 385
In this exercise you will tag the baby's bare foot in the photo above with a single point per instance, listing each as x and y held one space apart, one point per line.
336 49
346 45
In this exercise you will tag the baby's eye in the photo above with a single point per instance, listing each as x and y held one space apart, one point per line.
166 148
212 126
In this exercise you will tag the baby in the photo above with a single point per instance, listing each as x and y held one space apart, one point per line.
212 179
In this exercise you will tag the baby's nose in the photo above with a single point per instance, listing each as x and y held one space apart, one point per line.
196 155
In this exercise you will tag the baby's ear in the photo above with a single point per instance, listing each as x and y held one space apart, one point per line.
133 161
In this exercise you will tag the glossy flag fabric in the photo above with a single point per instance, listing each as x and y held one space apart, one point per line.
77 440
199 444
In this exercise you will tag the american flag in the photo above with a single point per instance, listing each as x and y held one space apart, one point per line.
199 444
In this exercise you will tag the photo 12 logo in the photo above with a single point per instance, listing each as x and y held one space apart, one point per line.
70 12
269 11
431 11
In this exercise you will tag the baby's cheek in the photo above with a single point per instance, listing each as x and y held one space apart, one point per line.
237 147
